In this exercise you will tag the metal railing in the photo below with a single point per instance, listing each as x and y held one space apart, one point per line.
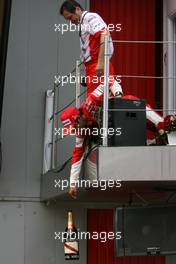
78 94
106 90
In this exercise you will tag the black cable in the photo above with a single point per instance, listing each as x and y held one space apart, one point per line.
69 103
66 78
87 155
58 112
67 161
62 167
85 158
82 62
57 85
62 109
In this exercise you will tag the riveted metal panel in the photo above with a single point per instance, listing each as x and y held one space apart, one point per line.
11 233
36 53
39 234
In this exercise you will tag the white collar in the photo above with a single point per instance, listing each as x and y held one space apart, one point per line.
82 16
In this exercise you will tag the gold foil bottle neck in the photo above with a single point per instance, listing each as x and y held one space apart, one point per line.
70 219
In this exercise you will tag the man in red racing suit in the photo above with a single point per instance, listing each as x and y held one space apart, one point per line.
87 115
92 31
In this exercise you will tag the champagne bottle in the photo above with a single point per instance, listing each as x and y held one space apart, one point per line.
71 244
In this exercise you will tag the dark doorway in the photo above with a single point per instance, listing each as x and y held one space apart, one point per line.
5 10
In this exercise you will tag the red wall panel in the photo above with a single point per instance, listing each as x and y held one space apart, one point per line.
138 19
100 220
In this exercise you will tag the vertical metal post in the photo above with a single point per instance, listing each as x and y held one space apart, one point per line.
55 127
78 84
48 132
106 91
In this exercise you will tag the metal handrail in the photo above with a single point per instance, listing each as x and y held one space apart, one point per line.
106 90
78 85
143 41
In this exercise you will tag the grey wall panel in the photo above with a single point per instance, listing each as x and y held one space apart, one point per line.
31 64
49 187
36 53
137 163
42 61
39 234
12 179
26 233
11 233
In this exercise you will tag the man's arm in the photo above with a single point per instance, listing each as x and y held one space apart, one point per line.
100 63
77 159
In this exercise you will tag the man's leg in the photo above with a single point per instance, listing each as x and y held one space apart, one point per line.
92 81
91 164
